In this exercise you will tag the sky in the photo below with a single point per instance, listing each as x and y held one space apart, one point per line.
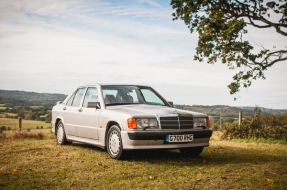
54 46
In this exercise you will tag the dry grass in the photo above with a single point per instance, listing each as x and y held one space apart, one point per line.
41 164
21 134
2 136
26 134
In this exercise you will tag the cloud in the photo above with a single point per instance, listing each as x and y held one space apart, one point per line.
54 46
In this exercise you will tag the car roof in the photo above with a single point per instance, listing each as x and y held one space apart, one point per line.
113 84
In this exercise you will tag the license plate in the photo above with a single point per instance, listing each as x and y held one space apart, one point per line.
179 138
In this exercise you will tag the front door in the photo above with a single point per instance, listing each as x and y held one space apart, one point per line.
88 118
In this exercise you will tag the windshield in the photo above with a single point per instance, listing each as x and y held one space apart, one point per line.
123 95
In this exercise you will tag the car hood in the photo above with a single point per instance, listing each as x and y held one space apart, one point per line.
152 110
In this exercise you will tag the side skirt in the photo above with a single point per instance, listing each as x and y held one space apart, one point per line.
85 140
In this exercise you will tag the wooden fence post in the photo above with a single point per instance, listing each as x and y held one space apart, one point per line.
220 119
20 123
240 119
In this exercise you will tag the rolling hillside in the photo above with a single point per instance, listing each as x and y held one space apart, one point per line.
29 98
227 112
22 98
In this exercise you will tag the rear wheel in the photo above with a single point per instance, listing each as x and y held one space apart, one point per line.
193 151
114 143
61 135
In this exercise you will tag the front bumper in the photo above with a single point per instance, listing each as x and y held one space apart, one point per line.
156 139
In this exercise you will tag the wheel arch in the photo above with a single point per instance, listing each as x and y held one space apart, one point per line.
108 126
56 123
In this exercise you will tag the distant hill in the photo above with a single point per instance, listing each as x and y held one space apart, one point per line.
227 112
15 97
30 98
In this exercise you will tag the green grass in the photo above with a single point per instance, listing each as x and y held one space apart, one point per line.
3 114
3 108
36 107
26 124
41 164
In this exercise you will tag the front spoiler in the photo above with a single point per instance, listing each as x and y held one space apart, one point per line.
160 135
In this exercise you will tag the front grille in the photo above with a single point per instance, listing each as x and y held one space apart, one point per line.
176 122
186 122
169 122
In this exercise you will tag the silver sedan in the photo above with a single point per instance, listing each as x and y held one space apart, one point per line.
127 117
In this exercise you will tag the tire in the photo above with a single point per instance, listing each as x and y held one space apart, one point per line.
61 138
114 143
193 152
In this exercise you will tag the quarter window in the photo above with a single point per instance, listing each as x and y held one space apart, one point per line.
69 103
78 97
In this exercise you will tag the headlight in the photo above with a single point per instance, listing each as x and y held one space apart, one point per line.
142 123
201 122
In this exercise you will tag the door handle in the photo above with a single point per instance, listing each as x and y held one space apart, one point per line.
64 108
80 110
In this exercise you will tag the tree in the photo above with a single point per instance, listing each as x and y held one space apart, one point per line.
222 25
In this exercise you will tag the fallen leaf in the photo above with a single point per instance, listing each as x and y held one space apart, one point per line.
269 181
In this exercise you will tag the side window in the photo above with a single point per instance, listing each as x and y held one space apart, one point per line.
78 97
91 96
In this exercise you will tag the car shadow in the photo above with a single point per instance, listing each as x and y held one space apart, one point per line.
209 156
216 156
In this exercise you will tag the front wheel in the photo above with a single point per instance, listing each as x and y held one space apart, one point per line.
114 143
193 151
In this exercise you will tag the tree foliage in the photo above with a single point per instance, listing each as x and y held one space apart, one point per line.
28 105
221 26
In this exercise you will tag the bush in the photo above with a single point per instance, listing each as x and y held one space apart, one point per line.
260 126
3 128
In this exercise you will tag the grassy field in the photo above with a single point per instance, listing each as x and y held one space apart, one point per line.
3 108
26 124
41 164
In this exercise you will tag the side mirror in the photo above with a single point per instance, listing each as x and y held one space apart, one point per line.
94 105
170 103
